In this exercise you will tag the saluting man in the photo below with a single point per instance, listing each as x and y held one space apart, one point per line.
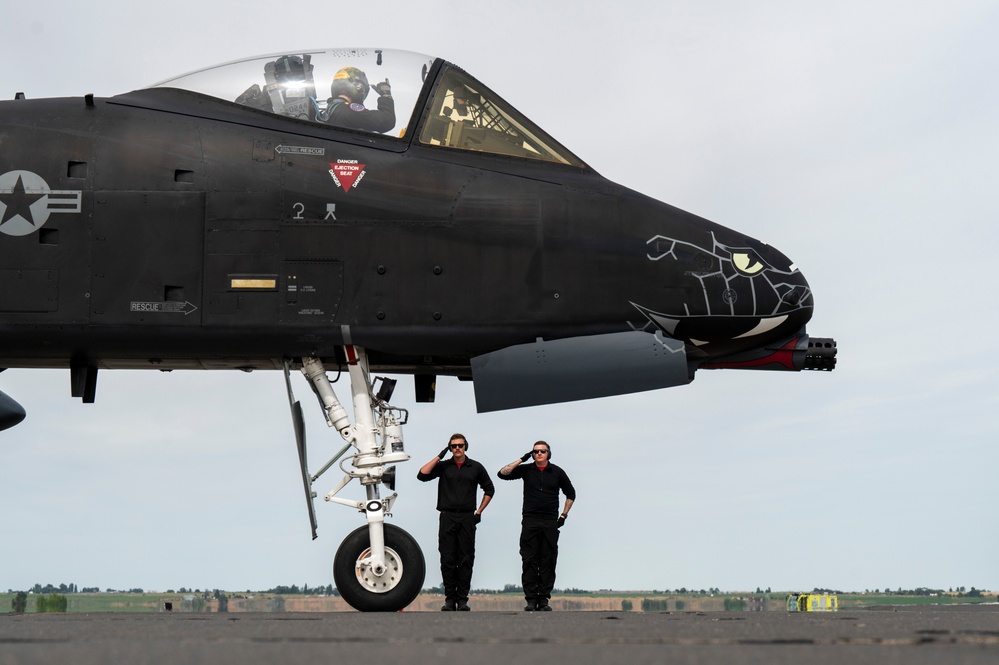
541 521
459 475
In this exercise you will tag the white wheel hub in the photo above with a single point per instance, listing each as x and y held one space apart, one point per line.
383 583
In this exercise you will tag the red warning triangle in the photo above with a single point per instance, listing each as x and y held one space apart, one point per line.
346 174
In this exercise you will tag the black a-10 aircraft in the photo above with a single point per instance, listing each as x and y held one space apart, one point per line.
239 218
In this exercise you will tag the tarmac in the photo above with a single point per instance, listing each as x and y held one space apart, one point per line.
940 634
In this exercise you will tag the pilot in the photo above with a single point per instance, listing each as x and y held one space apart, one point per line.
458 477
345 108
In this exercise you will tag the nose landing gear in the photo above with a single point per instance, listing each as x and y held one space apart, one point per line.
378 567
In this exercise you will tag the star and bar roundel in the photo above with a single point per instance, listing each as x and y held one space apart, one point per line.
26 202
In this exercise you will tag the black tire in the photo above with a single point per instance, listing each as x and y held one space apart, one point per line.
393 591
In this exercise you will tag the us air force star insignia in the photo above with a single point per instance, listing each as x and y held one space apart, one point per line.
26 202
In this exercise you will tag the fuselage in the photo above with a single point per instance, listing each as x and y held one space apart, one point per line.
165 228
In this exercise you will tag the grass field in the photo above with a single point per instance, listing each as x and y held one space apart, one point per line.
875 600
155 602
103 602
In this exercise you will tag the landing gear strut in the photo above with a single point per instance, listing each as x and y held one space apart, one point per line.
378 567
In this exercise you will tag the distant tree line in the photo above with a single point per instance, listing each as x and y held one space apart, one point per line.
71 588
66 589
305 590
960 592
51 588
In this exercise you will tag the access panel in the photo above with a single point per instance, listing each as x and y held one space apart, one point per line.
148 249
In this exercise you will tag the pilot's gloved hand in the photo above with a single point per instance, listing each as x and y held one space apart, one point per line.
560 522
478 517
526 456
383 89
443 452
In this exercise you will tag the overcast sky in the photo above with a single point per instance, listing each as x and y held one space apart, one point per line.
859 138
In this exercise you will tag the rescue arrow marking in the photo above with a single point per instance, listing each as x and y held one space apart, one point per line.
184 308
298 150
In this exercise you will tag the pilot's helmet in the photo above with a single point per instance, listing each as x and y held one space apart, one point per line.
289 68
352 82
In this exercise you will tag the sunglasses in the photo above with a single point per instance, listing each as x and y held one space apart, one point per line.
540 452
455 446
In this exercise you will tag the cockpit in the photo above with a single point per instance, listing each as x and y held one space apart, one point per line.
379 91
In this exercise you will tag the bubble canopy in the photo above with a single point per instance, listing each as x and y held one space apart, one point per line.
378 90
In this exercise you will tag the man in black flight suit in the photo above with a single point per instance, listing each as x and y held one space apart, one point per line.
456 491
541 521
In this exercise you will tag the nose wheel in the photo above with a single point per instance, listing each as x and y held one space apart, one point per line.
390 589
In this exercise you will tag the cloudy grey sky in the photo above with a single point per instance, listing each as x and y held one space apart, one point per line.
860 138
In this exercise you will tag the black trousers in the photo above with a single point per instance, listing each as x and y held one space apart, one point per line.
539 554
456 543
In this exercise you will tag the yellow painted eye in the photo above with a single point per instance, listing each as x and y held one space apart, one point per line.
746 263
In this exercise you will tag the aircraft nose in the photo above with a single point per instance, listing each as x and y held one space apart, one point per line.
731 293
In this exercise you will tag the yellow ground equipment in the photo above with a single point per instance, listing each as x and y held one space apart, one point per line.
812 602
